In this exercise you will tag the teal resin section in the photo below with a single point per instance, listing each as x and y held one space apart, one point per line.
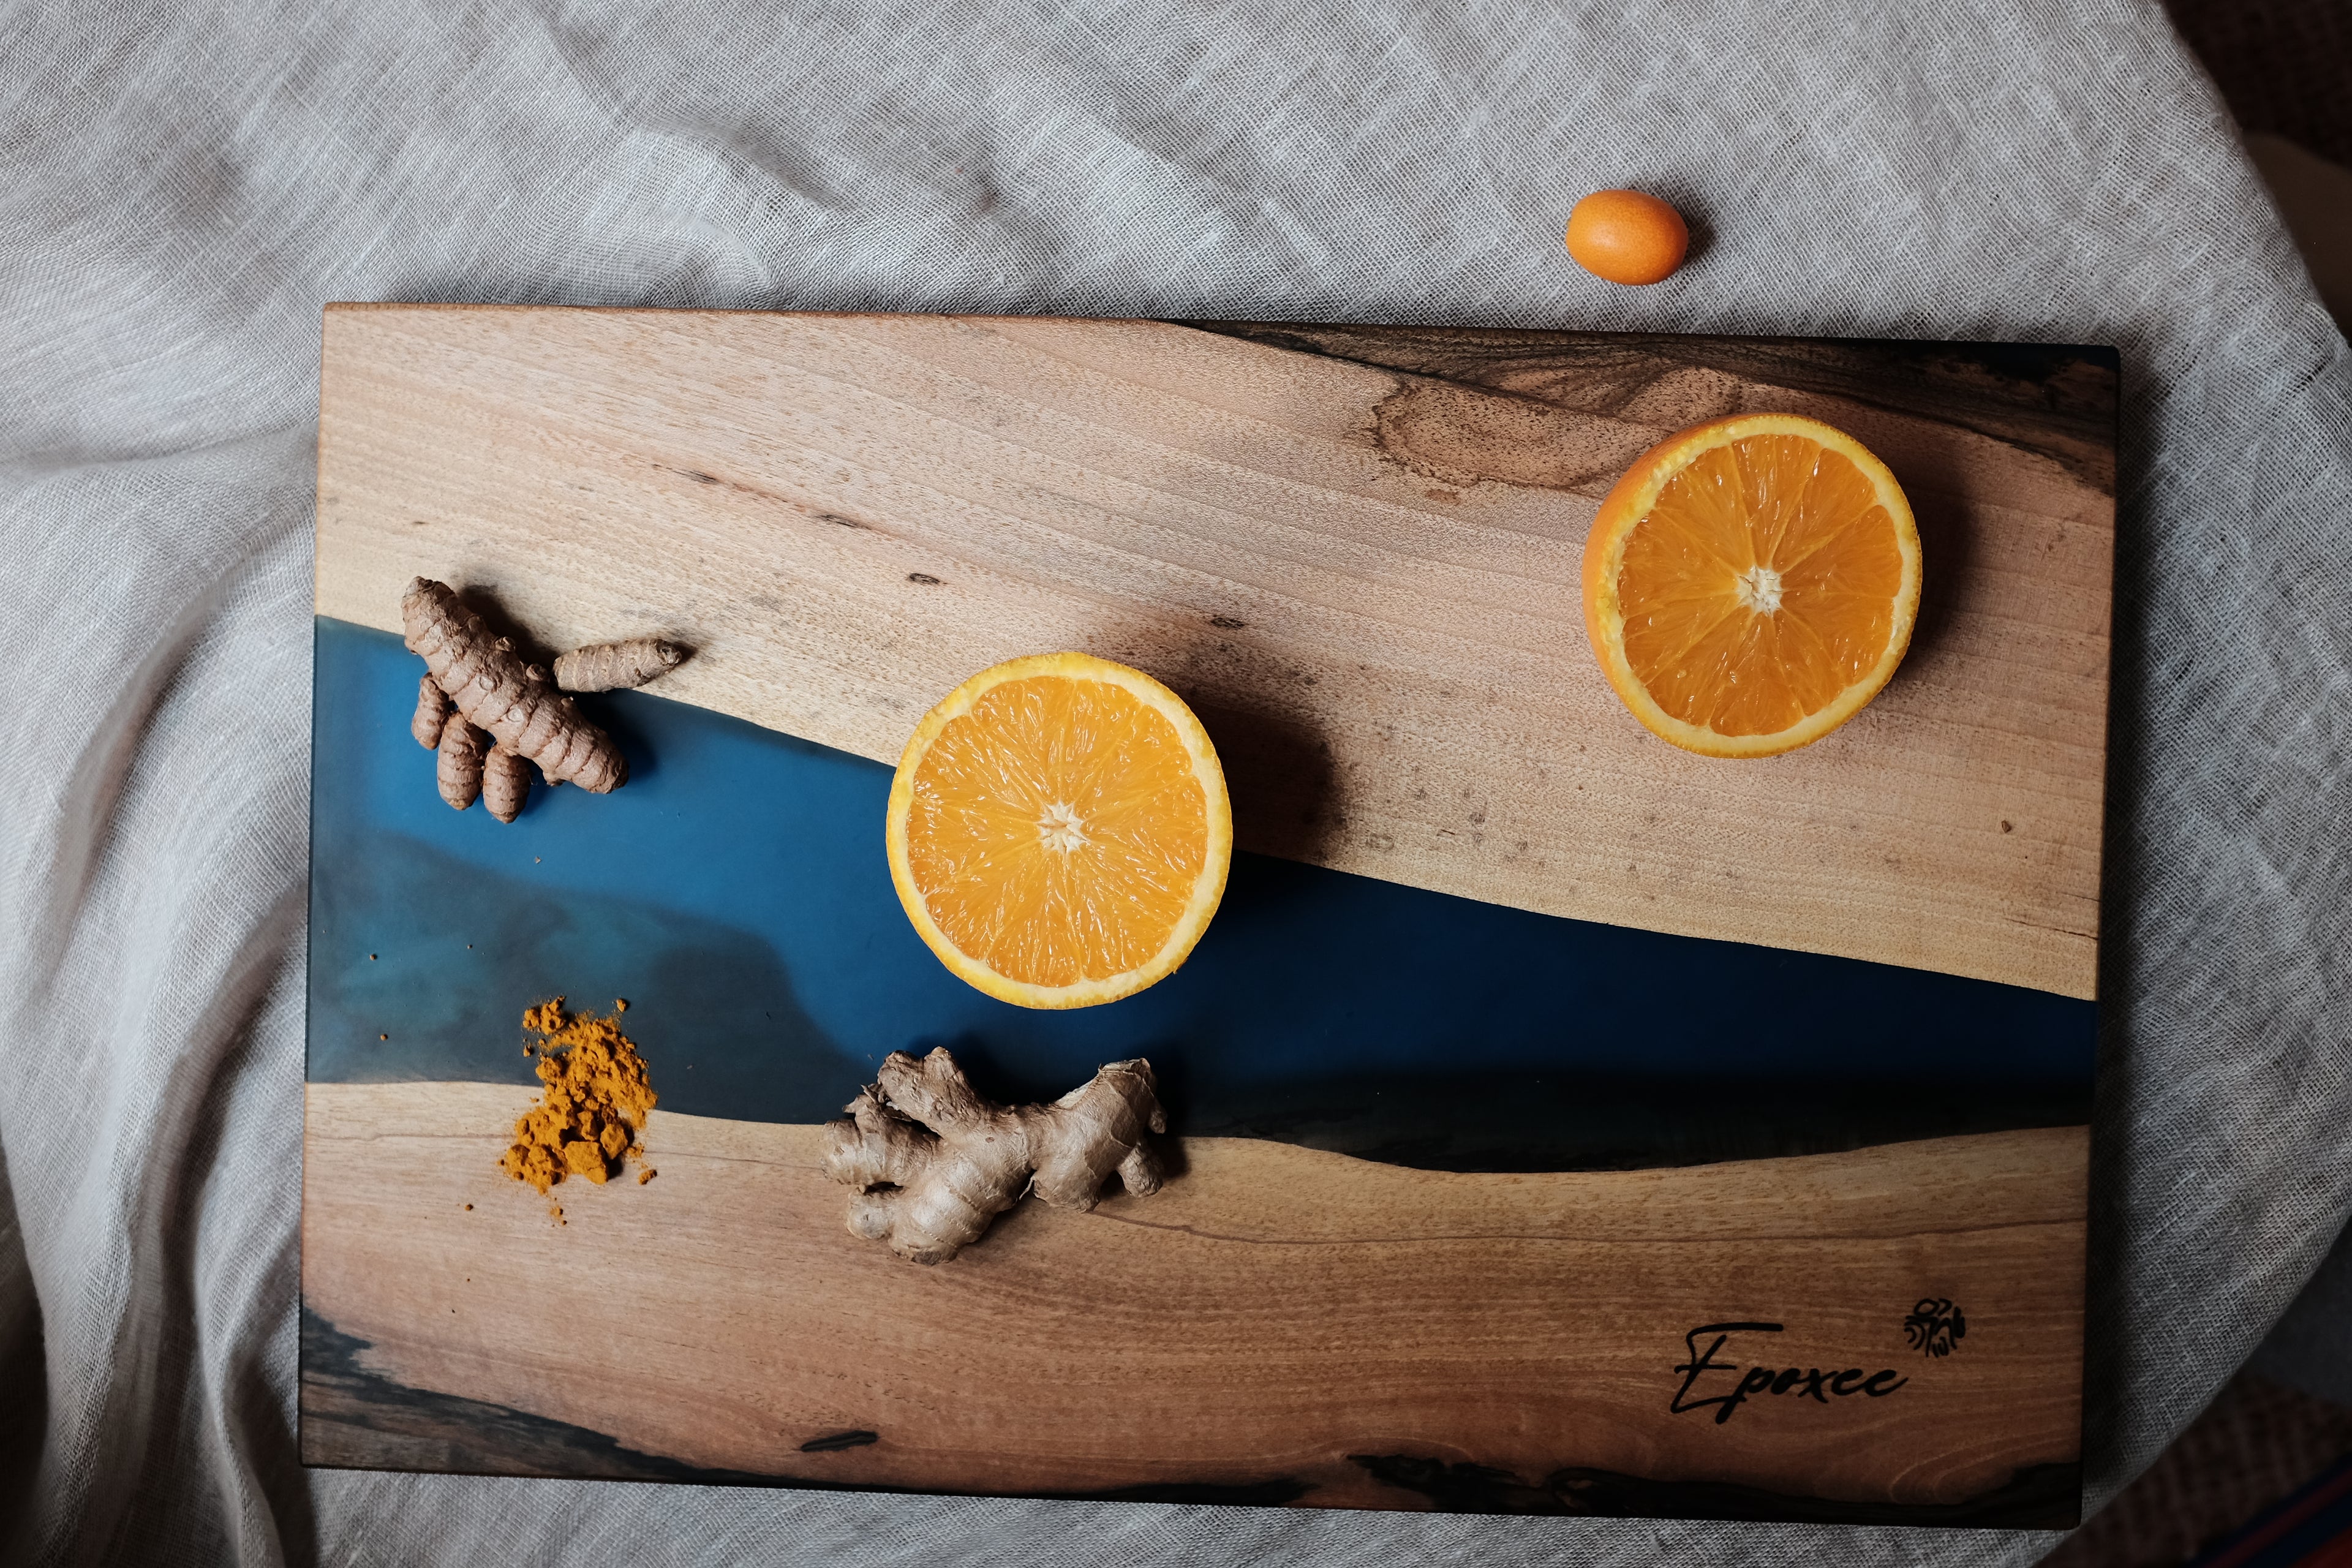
735 892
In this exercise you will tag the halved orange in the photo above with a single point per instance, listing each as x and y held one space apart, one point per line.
1059 831
1751 582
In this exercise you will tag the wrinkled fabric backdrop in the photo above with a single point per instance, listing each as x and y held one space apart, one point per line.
184 185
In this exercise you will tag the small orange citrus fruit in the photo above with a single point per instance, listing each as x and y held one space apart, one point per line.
1751 582
1626 237
1058 831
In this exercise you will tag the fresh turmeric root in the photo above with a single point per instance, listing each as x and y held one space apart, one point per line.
459 768
934 1163
432 713
506 783
616 666
497 691
477 682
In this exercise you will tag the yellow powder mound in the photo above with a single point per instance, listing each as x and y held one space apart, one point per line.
593 1105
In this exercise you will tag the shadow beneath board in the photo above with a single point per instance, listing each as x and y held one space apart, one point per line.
2036 1497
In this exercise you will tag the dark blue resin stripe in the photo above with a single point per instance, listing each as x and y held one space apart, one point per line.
735 892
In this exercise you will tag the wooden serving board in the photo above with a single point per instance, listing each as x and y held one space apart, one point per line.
1650 1135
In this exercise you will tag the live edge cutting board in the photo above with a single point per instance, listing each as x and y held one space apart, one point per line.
1355 550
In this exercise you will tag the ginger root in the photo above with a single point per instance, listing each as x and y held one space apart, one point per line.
615 666
934 1163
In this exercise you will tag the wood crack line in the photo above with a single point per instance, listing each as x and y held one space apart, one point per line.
1743 1237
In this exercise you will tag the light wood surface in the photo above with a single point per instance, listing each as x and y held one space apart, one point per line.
1272 1313
1355 552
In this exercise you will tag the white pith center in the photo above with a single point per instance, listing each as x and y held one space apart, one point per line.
1759 589
1062 828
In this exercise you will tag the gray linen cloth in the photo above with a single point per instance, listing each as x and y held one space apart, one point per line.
183 186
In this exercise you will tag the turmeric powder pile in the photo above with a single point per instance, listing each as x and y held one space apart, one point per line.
593 1103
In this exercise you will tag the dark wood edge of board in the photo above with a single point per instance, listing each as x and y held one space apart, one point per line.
2059 401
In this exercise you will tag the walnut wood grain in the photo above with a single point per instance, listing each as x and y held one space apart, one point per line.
1354 550
1279 1321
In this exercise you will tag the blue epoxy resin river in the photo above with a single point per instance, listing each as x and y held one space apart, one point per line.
735 892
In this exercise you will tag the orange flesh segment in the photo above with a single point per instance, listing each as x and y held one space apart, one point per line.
1057 831
1707 651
